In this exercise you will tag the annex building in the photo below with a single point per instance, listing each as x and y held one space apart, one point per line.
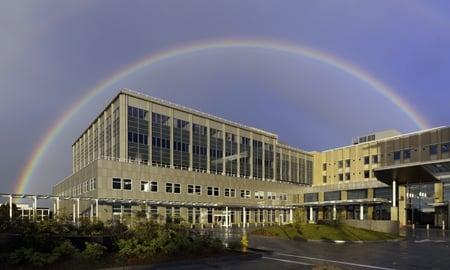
147 157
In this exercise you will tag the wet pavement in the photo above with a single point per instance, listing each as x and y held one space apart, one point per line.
421 249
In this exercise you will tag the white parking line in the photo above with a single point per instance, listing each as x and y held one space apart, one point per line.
333 261
286 261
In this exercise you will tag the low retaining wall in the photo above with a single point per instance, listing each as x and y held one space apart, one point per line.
386 226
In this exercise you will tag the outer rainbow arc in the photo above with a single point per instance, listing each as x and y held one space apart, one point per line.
151 59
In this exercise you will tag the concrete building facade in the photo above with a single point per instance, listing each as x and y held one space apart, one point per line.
145 156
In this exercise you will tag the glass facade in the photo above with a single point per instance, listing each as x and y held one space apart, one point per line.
216 151
244 160
285 167
230 154
160 139
268 161
357 194
181 139
311 197
332 196
138 127
199 147
294 169
257 159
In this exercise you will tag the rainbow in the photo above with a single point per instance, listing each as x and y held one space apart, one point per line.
154 58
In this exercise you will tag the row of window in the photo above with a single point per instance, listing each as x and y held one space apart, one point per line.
432 150
152 186
347 162
347 176
86 186
384 193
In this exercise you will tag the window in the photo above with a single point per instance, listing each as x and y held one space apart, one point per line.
259 195
445 147
127 184
324 179
271 195
347 176
347 163
406 154
341 177
145 186
397 155
154 186
332 196
366 160
194 190
311 197
433 149
190 189
177 188
116 183
375 159
169 187
340 164
357 194
324 166
366 174
230 192
245 194
213 191
283 197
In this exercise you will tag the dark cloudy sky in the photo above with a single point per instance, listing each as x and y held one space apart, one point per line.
53 52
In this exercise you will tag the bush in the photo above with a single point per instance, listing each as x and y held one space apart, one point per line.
40 259
93 251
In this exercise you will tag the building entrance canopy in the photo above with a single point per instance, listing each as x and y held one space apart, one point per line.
418 172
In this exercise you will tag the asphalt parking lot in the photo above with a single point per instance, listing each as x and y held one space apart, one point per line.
421 249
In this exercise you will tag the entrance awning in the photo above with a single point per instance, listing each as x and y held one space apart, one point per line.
417 172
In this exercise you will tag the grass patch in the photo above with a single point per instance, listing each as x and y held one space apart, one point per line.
322 232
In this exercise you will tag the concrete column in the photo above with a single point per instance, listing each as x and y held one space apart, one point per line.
34 207
74 213
274 162
250 155
57 206
171 138
361 212
291 216
289 167
281 164
226 217
208 146
150 134
224 144
244 217
91 212
96 208
311 214
191 142
394 193
10 207
78 210
263 159
238 148
334 212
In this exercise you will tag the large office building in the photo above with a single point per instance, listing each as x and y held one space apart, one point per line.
147 157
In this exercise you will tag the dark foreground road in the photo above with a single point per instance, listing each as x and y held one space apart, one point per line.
420 250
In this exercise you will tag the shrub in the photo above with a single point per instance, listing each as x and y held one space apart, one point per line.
65 249
93 251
